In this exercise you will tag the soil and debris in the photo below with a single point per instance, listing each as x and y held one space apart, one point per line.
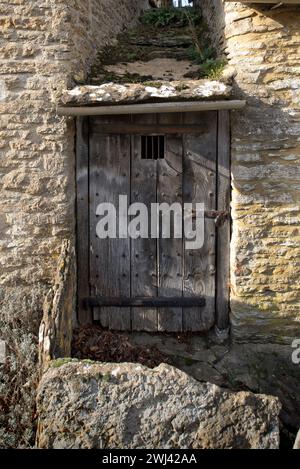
95 343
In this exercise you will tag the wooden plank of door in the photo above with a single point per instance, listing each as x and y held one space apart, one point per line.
223 231
199 186
82 214
170 251
98 149
109 258
143 251
98 143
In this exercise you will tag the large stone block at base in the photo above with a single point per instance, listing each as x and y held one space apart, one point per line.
84 405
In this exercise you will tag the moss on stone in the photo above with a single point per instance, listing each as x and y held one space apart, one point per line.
61 361
153 84
57 363
87 361
181 87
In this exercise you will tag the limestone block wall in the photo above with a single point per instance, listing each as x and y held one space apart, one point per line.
264 46
44 45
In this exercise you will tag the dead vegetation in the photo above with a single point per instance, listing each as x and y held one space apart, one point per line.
19 320
95 343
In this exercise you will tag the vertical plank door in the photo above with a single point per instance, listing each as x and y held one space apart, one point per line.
194 168
170 251
199 186
144 267
109 258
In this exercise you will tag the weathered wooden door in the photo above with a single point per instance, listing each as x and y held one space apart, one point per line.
153 284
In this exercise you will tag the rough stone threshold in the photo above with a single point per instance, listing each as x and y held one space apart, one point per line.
231 366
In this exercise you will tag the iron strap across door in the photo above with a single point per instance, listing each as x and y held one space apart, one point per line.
156 302
154 284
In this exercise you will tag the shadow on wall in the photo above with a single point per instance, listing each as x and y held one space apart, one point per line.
275 13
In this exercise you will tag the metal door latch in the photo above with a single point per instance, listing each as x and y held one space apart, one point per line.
219 216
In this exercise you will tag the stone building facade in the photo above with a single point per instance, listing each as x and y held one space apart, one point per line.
45 45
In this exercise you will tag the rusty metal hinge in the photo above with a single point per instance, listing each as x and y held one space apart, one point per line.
219 216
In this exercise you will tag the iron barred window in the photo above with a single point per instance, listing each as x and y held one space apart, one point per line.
152 147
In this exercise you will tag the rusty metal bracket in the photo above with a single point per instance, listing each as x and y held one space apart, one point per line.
219 216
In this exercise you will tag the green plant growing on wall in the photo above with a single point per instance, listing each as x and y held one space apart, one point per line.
203 54
159 18
212 68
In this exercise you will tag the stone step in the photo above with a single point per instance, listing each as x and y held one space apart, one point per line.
163 41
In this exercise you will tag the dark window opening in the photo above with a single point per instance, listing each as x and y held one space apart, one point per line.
152 147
